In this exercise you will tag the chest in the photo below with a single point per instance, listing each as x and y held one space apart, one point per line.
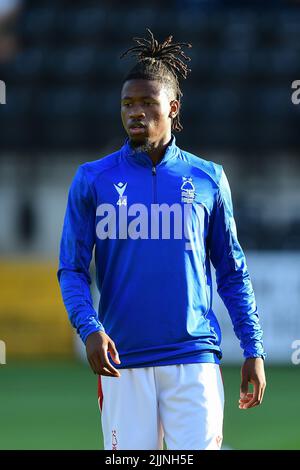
154 185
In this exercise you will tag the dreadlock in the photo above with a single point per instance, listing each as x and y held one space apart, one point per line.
161 62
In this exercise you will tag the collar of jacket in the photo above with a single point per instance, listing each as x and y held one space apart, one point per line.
144 159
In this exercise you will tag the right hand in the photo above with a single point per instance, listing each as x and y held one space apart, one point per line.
97 346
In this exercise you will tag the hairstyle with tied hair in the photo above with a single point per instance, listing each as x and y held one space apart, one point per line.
161 62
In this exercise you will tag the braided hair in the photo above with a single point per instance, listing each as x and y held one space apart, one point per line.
161 62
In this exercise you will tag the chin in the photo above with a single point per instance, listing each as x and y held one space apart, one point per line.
138 140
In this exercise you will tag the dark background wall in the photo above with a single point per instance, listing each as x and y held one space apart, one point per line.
60 62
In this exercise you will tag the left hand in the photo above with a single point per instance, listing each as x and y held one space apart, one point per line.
252 372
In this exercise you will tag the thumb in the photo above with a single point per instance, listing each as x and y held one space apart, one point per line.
114 353
244 388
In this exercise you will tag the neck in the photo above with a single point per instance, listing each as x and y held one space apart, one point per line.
155 150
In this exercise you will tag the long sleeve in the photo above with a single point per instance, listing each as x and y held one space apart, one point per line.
76 249
233 281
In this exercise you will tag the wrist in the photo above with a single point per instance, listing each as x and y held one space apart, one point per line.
261 356
93 334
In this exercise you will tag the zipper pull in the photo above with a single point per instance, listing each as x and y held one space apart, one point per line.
153 170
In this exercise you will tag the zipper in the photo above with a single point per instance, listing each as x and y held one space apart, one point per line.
154 185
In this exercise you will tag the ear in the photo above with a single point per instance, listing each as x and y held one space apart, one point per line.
174 108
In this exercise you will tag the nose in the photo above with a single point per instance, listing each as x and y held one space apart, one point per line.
136 112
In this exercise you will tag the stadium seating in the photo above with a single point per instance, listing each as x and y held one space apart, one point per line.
68 72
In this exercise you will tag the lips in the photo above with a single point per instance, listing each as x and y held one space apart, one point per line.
137 128
136 125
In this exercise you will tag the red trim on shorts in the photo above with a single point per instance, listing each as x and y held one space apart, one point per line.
221 374
100 393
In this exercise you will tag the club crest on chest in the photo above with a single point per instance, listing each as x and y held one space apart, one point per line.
187 190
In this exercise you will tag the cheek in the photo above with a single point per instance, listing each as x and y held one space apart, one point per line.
160 117
123 116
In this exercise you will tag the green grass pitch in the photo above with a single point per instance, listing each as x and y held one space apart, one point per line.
53 405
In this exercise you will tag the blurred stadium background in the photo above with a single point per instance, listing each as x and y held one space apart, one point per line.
60 63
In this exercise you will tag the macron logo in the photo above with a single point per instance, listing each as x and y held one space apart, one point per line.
120 187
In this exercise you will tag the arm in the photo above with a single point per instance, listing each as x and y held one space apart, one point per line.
76 249
235 288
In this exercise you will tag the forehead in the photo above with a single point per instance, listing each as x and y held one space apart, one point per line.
139 87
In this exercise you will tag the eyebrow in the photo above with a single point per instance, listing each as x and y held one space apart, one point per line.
140 97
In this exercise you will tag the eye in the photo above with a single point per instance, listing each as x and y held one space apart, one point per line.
126 104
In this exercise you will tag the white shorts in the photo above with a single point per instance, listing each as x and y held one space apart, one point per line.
182 403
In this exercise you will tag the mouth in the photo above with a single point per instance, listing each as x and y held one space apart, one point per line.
137 128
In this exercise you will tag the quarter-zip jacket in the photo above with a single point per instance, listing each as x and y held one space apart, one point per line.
155 230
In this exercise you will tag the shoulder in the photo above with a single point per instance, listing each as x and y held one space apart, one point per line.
96 168
206 168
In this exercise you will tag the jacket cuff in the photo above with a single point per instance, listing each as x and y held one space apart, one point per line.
253 355
91 329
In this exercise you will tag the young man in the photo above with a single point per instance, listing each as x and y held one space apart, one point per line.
157 215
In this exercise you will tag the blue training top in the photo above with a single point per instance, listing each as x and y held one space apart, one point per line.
155 230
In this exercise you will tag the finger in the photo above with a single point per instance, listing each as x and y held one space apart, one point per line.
113 352
257 402
107 373
247 398
92 365
97 363
248 406
261 392
105 363
244 388
102 369
244 404
253 400
251 403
